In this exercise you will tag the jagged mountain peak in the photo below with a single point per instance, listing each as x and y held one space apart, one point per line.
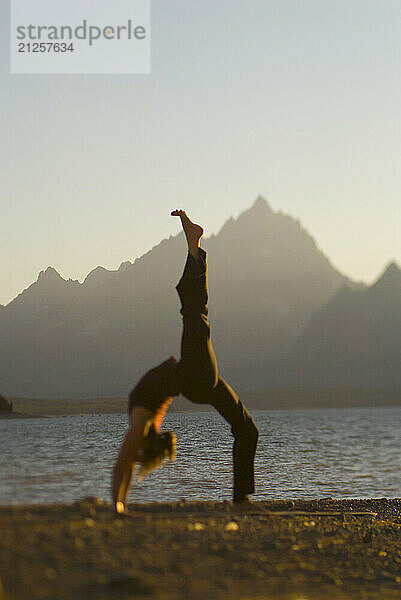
50 280
273 235
390 277
49 274
96 271
261 204
96 274
255 216
259 209
392 270
261 217
124 265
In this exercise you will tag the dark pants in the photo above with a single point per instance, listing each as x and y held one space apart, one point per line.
199 378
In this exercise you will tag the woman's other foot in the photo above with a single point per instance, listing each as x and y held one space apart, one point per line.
193 232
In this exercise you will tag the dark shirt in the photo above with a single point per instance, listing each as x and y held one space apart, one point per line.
155 389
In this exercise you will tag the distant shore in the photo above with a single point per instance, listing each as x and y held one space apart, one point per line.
18 415
37 407
271 399
342 550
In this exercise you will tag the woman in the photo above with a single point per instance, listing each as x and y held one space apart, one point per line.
196 377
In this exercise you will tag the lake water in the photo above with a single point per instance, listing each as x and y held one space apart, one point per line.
347 453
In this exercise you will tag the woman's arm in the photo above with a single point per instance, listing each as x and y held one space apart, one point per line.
123 470
128 455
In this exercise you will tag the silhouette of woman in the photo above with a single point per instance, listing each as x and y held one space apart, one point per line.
196 377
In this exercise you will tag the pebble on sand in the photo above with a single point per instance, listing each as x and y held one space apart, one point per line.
196 526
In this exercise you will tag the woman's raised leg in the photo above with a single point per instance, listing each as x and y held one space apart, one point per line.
198 365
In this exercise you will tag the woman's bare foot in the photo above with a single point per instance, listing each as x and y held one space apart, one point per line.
193 232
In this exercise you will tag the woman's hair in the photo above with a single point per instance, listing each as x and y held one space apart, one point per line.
156 448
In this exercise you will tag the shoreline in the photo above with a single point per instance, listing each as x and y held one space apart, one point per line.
34 408
279 550
17 415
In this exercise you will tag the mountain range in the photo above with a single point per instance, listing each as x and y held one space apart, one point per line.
281 315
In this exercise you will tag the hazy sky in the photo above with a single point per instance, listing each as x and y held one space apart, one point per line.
297 100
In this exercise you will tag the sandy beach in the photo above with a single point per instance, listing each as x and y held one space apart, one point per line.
289 550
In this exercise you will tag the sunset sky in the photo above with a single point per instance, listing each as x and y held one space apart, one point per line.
295 100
